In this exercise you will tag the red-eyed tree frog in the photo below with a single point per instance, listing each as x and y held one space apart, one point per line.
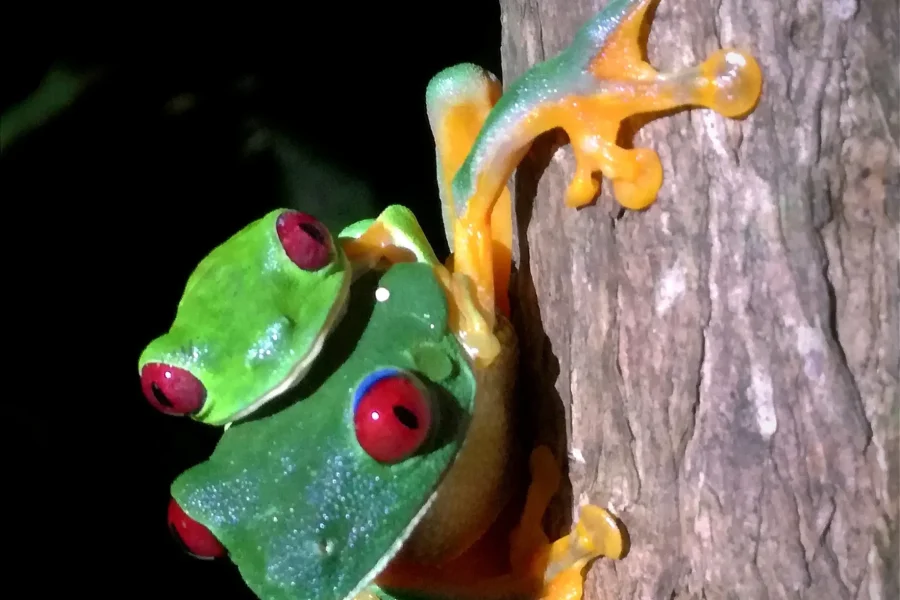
257 310
389 470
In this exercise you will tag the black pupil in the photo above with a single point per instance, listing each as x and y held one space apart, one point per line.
174 531
160 397
313 232
406 417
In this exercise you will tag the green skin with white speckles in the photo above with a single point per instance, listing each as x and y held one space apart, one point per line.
250 322
292 494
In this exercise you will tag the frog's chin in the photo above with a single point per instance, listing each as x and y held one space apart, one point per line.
392 552
302 366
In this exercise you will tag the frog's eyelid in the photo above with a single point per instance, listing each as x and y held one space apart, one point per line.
371 379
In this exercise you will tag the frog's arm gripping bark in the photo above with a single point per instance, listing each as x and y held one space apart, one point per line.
395 236
587 90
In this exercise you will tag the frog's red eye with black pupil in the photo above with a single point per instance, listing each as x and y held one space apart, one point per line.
304 239
392 416
172 390
196 539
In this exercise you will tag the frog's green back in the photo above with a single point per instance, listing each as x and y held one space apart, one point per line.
302 509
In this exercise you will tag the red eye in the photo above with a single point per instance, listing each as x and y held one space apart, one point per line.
172 390
304 239
392 415
196 539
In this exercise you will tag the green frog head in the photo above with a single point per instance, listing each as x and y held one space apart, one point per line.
314 498
253 317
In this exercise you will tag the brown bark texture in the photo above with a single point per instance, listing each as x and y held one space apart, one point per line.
722 369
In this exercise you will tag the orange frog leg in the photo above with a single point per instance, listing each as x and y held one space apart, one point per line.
587 90
395 236
458 101
560 564
535 569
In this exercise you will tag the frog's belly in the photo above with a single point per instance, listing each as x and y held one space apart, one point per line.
478 484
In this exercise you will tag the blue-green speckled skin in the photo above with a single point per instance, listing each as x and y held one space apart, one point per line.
303 511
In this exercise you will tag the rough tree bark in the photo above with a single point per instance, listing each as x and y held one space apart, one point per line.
723 367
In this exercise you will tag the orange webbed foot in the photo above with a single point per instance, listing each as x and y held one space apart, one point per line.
560 565
600 80
588 90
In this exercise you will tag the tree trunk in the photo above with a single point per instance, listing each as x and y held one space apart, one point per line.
722 368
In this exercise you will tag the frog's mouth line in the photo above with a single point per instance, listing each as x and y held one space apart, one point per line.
302 367
392 552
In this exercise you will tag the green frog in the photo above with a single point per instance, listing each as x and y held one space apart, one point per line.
257 310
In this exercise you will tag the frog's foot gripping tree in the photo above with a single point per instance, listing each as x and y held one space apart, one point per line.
588 90
401 488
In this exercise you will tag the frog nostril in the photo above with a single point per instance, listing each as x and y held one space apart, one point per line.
326 547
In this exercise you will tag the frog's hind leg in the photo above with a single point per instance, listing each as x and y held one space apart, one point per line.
588 90
560 564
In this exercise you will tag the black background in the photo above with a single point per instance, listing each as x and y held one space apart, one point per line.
110 206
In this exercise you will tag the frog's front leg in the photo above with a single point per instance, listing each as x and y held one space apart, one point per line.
395 236
588 90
